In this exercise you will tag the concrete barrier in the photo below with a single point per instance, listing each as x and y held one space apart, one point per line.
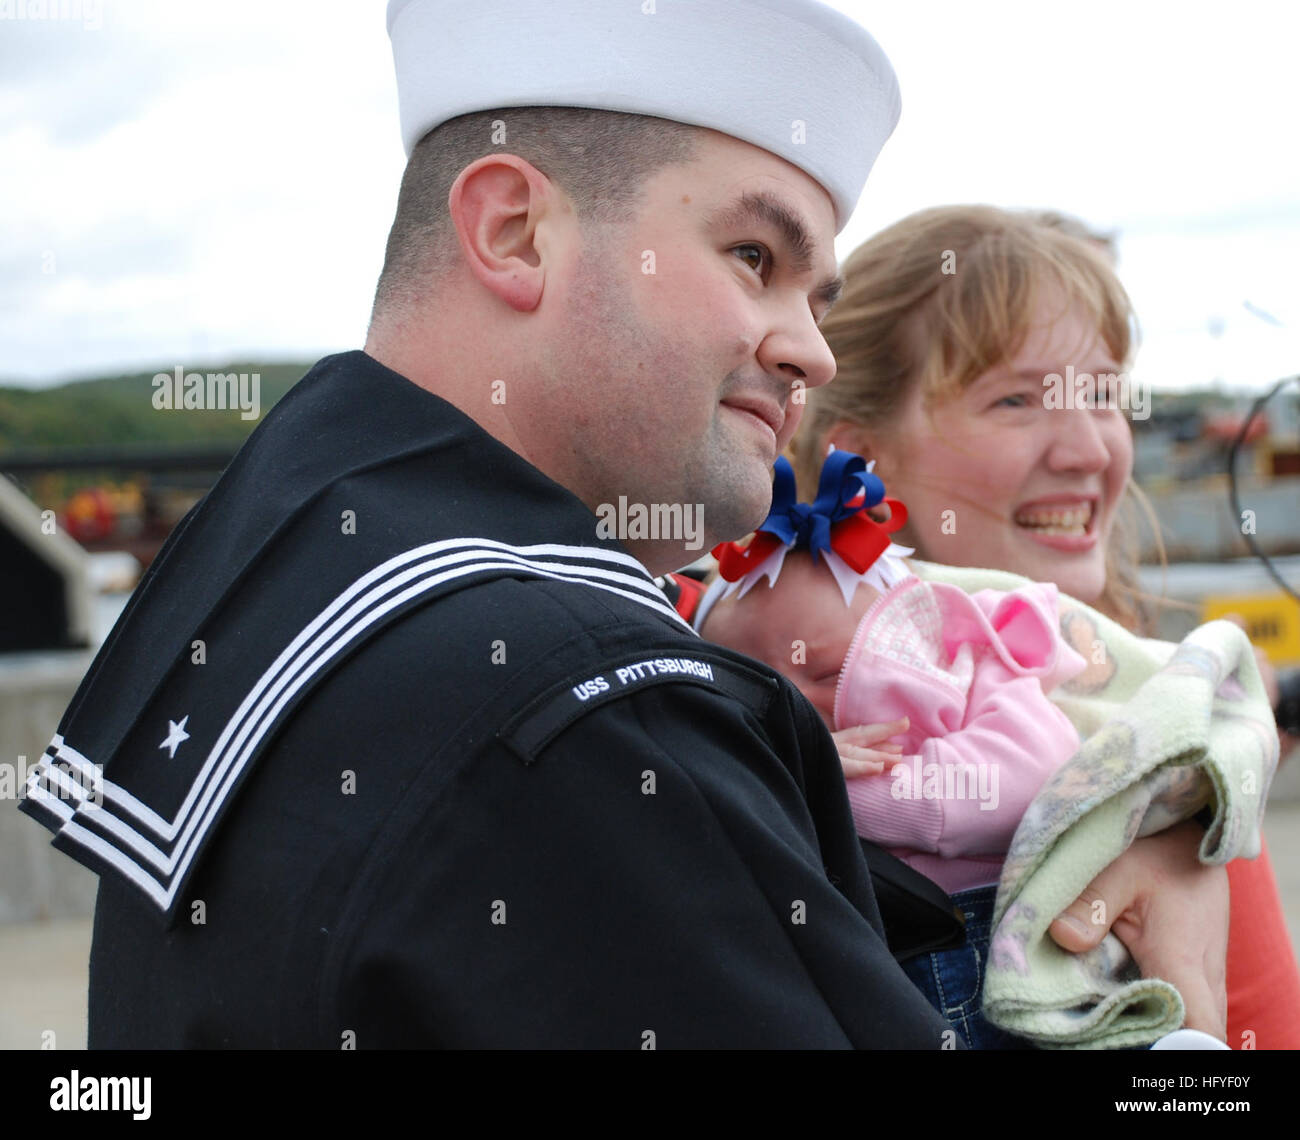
1198 522
36 881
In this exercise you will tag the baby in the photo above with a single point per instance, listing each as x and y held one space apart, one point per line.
936 700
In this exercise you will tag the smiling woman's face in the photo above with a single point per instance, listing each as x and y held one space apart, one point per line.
993 477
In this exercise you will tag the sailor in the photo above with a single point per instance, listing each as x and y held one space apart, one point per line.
397 747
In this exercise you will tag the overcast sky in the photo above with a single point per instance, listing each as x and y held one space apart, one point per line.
186 183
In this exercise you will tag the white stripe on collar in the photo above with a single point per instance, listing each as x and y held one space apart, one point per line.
135 830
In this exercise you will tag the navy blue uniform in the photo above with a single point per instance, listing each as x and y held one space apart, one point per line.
398 752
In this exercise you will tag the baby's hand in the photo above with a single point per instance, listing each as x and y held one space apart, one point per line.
863 751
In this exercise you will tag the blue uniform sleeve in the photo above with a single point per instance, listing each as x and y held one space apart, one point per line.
656 869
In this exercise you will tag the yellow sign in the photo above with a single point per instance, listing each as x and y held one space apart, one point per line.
1272 622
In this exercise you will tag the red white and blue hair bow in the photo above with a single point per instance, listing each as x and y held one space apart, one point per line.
835 528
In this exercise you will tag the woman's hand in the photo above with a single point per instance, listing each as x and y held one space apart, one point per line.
863 751
1171 911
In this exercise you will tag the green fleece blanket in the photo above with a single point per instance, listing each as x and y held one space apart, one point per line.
1166 729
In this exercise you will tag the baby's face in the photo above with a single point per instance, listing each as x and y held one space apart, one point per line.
800 627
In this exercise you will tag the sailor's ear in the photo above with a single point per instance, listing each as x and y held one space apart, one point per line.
498 204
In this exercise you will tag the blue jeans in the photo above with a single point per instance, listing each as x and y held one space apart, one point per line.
953 980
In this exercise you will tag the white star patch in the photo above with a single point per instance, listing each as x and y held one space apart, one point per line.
176 736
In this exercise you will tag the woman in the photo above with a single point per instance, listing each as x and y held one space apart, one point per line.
962 338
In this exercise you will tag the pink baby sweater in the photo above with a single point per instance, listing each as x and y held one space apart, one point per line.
972 672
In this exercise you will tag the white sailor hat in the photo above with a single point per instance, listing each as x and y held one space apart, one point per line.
795 77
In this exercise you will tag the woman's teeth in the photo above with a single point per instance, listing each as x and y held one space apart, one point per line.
1073 520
